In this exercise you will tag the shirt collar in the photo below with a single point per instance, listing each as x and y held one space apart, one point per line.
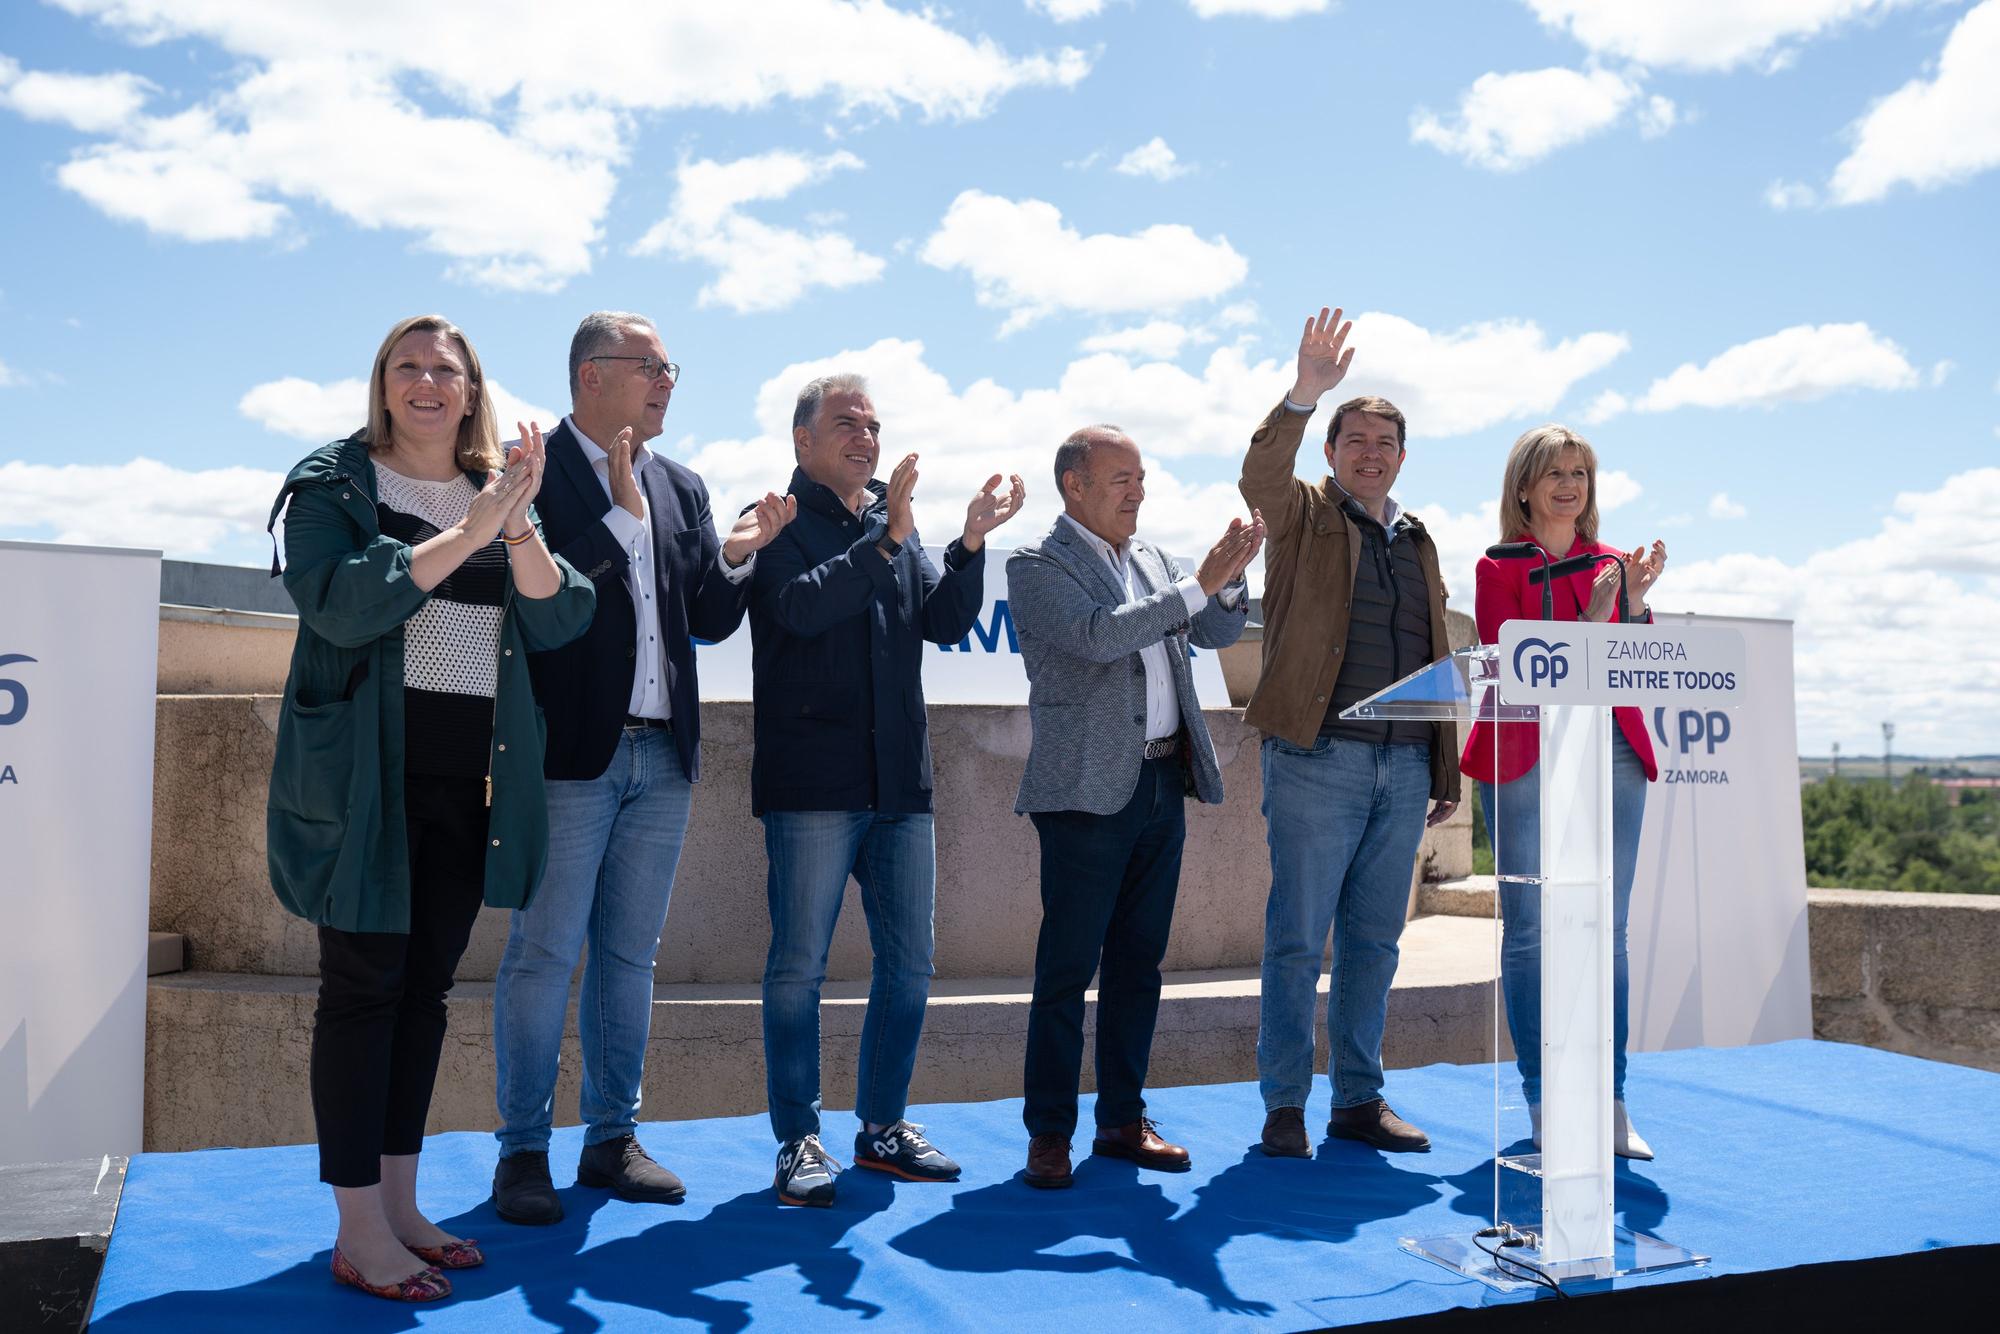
1392 513
597 454
1116 555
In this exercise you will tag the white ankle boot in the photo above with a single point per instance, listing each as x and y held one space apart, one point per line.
1625 1141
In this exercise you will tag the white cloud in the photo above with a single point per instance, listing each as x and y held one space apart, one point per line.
1068 11
1160 340
1798 364
1506 121
314 412
759 266
1657 116
1266 9
1474 377
143 503
92 103
1024 260
1153 159
1604 407
1784 195
526 118
1720 506
1893 625
1702 34
10 377
1616 488
1932 132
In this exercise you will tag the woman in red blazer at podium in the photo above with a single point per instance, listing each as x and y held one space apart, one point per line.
1548 496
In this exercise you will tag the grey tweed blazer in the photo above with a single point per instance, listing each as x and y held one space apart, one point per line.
1080 641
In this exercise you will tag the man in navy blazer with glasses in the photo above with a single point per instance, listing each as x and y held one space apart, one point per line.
624 733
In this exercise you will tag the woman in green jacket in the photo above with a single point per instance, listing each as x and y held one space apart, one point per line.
407 787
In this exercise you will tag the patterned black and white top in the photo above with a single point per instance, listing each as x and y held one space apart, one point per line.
449 646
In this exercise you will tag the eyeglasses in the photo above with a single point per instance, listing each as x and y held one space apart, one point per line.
650 367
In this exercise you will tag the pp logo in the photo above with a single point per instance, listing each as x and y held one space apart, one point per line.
1693 728
1547 667
13 695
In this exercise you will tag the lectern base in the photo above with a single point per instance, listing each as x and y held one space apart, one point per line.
1513 1268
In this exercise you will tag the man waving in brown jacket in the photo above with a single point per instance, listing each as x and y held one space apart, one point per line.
1352 603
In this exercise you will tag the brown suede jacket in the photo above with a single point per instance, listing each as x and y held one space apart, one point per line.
1310 556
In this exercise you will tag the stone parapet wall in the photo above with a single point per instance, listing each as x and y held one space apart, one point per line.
1914 973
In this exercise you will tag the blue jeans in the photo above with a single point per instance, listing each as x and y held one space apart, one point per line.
1520 852
1344 820
811 854
614 842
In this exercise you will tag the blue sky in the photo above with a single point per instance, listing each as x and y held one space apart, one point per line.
1746 247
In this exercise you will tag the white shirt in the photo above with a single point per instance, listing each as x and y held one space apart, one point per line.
635 537
1163 705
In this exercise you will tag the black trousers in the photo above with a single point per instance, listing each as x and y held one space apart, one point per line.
1108 887
380 1023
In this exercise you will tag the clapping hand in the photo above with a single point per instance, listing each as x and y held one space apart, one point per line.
902 487
1231 554
1603 592
624 488
1322 363
988 510
756 526
502 504
1643 569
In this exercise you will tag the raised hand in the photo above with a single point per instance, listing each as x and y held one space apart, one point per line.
1603 593
531 455
989 510
1644 568
1226 559
1322 363
756 526
1255 530
624 487
490 509
902 487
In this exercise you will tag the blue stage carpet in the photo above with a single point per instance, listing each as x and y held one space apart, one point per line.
1770 1157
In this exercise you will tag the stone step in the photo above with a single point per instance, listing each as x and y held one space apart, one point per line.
1470 896
226 1054
210 883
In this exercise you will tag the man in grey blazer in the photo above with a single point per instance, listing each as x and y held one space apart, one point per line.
1105 621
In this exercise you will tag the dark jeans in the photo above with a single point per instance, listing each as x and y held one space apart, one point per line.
380 1023
1108 885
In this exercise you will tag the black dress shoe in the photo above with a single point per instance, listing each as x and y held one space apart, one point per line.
1373 1123
522 1191
625 1169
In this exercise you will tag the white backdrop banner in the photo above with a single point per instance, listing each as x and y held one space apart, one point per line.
1718 928
983 668
79 650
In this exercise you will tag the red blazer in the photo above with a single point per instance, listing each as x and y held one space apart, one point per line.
1502 593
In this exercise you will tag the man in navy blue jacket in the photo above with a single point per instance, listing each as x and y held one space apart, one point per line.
843 601
624 735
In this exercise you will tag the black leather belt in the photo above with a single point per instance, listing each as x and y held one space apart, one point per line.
1161 749
634 723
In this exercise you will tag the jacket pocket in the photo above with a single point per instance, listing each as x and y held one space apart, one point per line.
314 768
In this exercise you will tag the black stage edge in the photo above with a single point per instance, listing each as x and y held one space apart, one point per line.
1952 1285
55 1225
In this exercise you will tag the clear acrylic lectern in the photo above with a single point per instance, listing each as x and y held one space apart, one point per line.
1553 1209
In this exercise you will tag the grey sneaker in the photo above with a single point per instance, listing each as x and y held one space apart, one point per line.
805 1173
901 1150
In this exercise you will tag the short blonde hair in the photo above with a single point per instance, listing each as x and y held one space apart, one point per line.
478 433
1532 455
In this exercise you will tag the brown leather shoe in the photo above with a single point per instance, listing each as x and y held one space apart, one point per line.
1048 1162
1140 1143
1373 1123
1285 1133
